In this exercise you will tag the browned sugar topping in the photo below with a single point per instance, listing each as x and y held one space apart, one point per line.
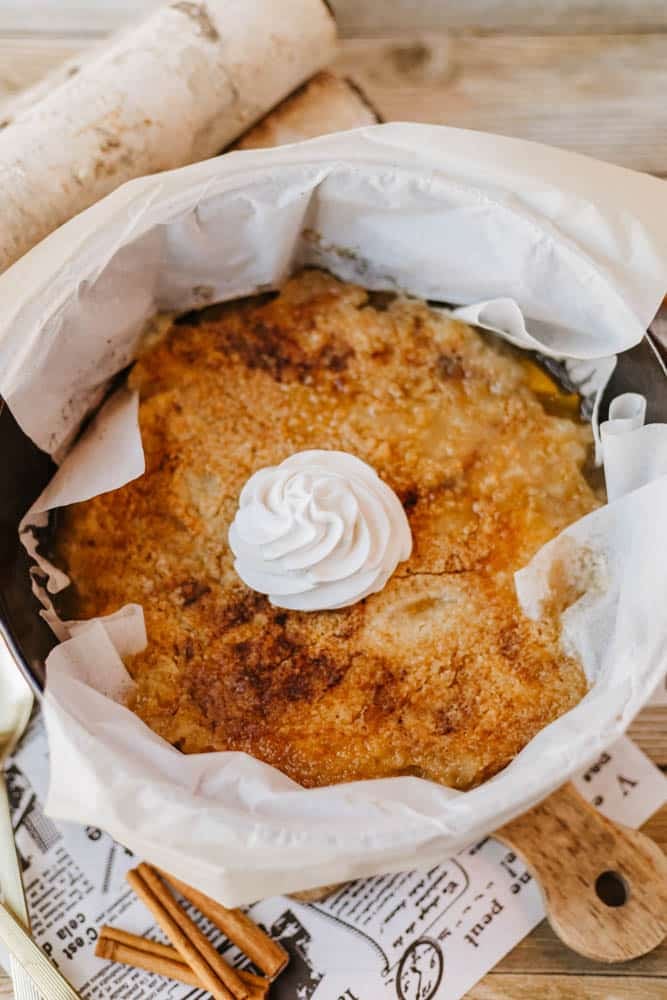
440 674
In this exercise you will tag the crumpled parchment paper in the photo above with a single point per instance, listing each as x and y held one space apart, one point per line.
551 250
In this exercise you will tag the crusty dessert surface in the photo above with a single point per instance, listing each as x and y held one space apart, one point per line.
439 675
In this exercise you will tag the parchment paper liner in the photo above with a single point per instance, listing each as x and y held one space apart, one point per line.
566 254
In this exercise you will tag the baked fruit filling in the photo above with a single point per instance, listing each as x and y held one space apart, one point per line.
439 674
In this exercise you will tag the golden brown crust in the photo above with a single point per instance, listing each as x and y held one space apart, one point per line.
438 675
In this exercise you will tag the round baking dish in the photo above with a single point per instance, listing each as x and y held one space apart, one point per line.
503 229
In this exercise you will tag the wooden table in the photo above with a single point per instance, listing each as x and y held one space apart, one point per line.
587 76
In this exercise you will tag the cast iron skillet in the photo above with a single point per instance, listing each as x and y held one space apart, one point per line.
26 470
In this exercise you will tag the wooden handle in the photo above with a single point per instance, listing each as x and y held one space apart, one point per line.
604 885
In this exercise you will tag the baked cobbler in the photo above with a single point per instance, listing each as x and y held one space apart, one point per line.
439 674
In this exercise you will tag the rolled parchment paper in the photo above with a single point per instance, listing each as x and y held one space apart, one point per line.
177 88
327 103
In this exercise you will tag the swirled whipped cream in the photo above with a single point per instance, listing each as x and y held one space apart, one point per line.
319 531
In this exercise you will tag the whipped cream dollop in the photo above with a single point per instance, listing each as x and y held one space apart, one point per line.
319 531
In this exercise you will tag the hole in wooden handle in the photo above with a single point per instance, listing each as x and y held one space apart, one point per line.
612 889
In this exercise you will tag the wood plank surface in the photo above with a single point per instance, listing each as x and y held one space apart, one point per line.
501 986
603 96
372 17
380 17
649 731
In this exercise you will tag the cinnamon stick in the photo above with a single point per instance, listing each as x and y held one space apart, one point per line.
262 951
116 951
109 933
118 945
213 972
